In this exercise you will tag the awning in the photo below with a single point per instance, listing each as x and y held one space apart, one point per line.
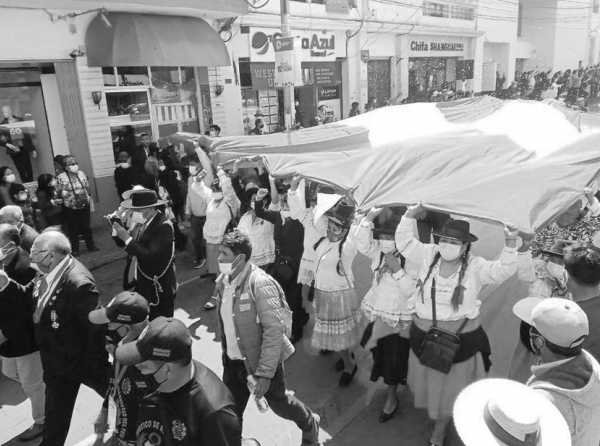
156 40
225 7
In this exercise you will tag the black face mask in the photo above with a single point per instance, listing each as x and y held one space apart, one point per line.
113 337
148 384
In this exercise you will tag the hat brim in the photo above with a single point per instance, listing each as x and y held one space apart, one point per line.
468 239
128 354
470 406
550 252
128 204
524 308
98 316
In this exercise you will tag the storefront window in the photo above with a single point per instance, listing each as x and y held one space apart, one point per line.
433 9
462 12
156 100
24 136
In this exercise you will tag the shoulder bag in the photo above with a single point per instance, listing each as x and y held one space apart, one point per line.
439 347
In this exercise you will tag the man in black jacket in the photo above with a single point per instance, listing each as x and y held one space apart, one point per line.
188 404
150 245
72 349
20 355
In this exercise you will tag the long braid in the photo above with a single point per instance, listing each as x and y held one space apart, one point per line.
422 283
340 266
459 291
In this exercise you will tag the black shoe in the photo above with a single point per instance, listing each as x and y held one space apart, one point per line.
325 352
385 417
347 378
339 365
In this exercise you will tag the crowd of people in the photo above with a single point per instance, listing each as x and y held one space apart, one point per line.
281 251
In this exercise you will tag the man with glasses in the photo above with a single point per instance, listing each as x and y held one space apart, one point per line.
13 215
72 349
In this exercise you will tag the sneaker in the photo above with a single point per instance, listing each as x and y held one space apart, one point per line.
32 433
311 438
198 264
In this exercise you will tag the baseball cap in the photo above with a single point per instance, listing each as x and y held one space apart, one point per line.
164 339
126 307
560 321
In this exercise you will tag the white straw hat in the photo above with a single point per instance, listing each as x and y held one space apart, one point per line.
492 410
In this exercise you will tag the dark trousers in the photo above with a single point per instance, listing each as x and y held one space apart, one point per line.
197 235
165 306
287 277
23 165
78 223
285 405
61 394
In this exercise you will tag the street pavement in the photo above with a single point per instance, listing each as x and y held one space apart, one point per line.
348 416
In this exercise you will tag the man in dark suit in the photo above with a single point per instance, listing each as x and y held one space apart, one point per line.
140 154
20 354
13 215
150 245
72 349
18 144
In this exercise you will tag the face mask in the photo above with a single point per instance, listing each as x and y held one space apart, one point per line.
285 214
387 246
536 343
52 184
74 168
7 250
193 170
124 165
137 218
449 252
225 268
162 168
22 197
149 383
10 178
252 205
42 263
113 337
217 195
557 271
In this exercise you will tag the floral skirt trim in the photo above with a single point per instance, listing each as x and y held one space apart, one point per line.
373 313
337 320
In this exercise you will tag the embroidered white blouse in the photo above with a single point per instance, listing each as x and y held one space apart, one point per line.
219 213
479 272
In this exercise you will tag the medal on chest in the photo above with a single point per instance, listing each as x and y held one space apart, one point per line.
54 320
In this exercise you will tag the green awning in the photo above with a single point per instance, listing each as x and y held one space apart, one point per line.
134 39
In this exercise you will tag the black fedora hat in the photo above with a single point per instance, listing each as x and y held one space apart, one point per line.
342 213
141 198
458 230
387 222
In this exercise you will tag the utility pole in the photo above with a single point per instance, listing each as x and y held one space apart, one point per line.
288 90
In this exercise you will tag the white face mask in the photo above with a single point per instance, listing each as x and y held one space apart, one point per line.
137 218
23 197
285 214
74 168
162 168
193 170
449 252
387 246
124 165
557 271
225 268
10 178
217 195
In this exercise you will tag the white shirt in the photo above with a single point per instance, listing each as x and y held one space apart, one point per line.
233 349
260 233
479 272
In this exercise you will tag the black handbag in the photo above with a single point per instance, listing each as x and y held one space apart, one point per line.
439 347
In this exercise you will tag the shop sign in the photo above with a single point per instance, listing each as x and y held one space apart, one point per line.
312 45
437 46
339 6
262 75
320 73
326 93
287 68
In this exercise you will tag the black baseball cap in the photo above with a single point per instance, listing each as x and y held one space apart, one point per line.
164 339
127 308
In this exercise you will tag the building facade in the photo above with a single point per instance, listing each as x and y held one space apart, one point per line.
66 105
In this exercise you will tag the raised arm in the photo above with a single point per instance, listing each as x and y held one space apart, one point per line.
406 242
494 272
206 165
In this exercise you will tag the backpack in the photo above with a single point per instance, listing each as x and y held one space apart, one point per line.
285 315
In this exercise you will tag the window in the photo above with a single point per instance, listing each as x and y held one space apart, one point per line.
155 100
433 9
596 6
462 12
23 123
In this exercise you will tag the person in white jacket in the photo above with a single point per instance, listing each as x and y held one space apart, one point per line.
447 296
386 303
566 374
